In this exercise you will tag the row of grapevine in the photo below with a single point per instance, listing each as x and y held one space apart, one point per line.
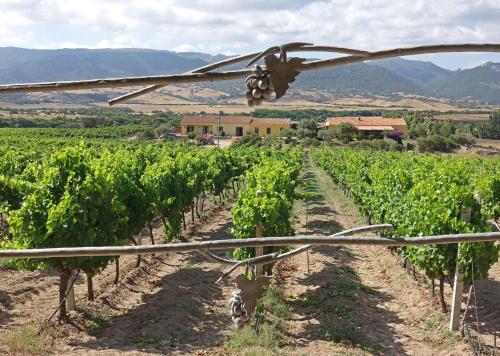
104 194
424 195
267 200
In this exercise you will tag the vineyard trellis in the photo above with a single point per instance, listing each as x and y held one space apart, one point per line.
275 77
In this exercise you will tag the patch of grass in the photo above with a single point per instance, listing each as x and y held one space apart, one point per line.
97 316
268 339
307 300
348 269
273 301
436 327
25 341
346 289
147 339
190 308
349 290
342 311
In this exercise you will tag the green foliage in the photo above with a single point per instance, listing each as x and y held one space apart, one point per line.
25 341
192 135
70 206
346 132
248 140
267 199
270 337
435 143
424 195
325 135
377 144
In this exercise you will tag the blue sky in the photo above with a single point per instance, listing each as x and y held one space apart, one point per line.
233 26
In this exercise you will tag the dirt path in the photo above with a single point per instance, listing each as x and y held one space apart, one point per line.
357 300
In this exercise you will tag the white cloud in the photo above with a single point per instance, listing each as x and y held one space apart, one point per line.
235 26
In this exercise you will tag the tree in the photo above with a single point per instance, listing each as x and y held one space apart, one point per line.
325 135
346 132
307 128
287 132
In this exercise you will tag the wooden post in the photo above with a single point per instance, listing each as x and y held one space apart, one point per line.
259 251
70 298
458 283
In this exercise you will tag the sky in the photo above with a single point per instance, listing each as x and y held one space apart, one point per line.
237 26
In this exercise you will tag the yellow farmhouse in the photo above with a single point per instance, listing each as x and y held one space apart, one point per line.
233 125
369 125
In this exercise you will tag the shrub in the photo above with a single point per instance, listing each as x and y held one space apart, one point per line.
303 133
206 139
148 134
287 132
248 140
325 135
192 135
346 132
310 141
463 139
377 144
435 143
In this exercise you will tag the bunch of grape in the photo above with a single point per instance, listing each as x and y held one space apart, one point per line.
238 312
259 87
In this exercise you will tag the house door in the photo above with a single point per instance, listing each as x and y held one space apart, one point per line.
239 131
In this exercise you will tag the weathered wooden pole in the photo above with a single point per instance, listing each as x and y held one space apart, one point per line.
458 283
259 250
70 297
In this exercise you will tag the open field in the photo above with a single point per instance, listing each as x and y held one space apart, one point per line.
190 98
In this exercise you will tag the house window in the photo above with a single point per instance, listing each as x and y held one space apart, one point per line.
268 131
190 128
221 128
256 130
205 129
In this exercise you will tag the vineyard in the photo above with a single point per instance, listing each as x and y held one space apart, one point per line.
90 188
424 195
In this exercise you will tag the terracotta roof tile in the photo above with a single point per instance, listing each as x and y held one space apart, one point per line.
281 121
367 121
212 119
243 120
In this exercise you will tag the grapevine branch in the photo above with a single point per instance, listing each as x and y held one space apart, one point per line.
276 256
355 240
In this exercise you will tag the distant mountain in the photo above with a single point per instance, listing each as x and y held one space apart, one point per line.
384 77
482 83
19 65
358 78
419 72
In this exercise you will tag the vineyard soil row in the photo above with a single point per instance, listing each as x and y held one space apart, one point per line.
344 300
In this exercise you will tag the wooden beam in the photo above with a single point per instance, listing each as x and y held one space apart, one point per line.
252 242
289 46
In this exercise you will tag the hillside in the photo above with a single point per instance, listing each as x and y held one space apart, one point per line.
481 83
390 78
419 72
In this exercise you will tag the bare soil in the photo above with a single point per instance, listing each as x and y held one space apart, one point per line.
345 300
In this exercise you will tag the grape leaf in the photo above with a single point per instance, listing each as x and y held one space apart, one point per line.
282 73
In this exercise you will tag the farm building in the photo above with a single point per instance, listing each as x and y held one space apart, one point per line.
369 125
233 125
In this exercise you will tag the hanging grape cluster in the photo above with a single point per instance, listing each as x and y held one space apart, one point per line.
259 87
238 313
